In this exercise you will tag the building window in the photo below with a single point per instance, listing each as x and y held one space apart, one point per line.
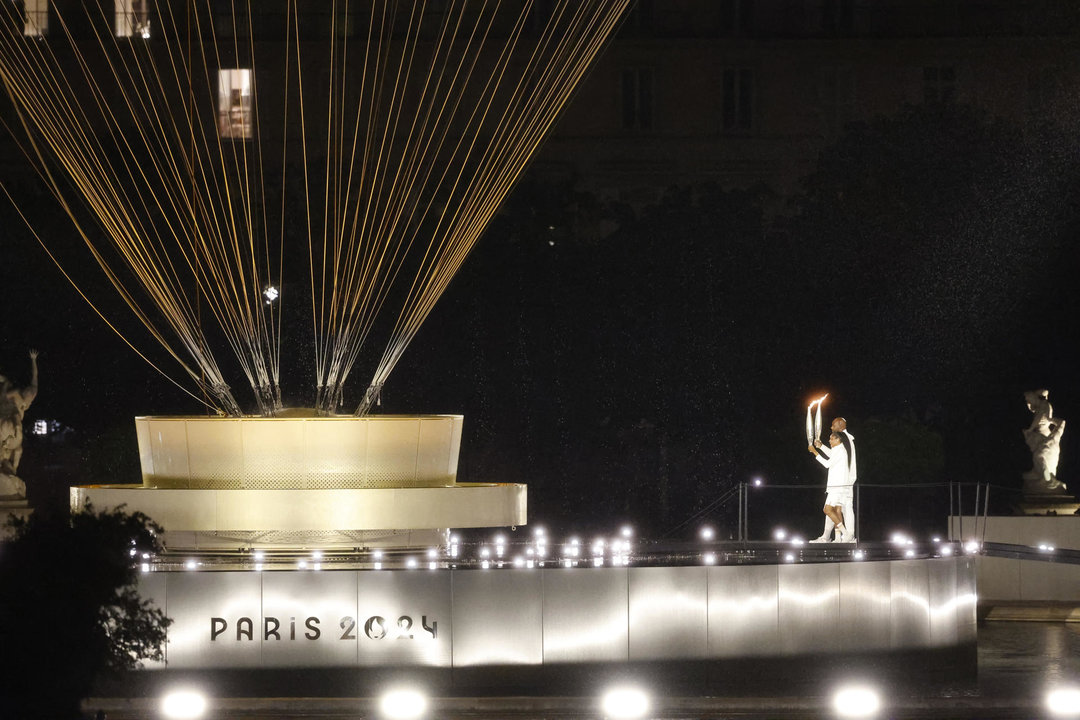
639 19
637 98
838 16
540 15
835 98
1045 87
35 18
939 84
736 17
133 18
234 103
737 103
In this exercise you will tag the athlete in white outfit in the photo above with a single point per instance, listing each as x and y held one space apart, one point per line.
839 495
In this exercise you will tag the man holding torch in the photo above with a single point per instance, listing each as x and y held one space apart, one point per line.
839 458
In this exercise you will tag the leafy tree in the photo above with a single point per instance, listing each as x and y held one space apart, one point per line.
69 608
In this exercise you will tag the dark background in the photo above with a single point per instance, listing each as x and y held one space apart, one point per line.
634 363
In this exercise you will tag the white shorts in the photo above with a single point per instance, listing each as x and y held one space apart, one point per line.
842 496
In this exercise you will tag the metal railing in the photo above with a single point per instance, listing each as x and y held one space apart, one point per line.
926 504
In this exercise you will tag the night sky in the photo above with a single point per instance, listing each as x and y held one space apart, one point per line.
634 363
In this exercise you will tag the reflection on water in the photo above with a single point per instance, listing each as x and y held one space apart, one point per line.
1021 656
1020 659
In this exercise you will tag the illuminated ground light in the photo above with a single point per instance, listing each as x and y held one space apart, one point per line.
625 702
403 704
709 559
856 702
1064 702
183 704
971 547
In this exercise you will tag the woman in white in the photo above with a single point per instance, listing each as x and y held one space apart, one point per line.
838 490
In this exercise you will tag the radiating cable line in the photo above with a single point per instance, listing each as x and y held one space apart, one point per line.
426 120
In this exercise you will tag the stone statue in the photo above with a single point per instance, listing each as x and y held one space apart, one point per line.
13 405
1043 438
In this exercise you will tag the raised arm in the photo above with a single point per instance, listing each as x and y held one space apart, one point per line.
30 392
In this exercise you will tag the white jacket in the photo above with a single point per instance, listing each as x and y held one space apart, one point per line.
835 458
852 472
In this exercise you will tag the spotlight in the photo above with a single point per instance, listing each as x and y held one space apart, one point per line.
1064 702
707 533
259 555
316 555
627 531
625 702
856 702
271 294
145 567
709 558
971 547
858 554
410 563
190 565
909 553
183 704
789 558
402 704
758 482
779 534
946 550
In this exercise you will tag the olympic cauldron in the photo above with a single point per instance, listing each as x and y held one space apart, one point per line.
302 480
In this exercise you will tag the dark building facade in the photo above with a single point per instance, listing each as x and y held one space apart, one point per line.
739 92
742 92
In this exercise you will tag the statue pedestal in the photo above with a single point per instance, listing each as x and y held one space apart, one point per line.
1053 503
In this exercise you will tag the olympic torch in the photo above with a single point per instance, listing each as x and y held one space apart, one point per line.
813 422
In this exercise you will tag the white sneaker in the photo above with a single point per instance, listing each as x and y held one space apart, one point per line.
821 539
845 538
